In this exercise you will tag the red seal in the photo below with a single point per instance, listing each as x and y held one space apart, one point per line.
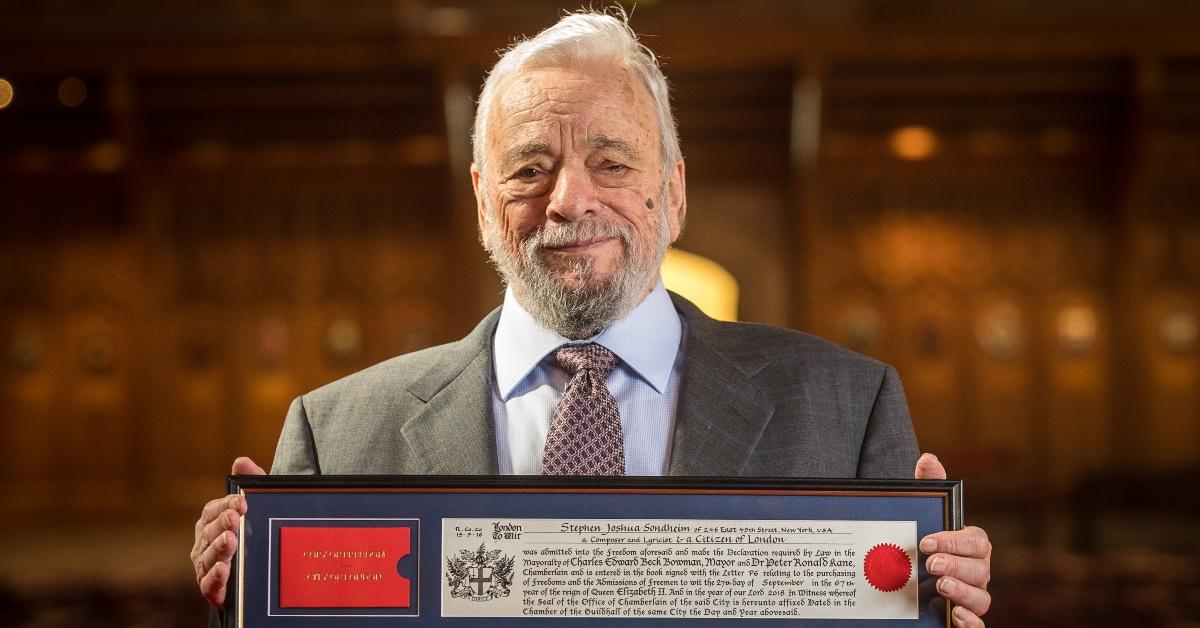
887 567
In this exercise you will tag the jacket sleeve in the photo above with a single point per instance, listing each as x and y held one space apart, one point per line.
296 453
889 448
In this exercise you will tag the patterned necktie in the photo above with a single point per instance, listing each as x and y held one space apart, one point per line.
585 432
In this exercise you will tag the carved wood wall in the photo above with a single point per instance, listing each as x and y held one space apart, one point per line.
250 237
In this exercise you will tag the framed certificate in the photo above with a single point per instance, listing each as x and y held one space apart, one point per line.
323 551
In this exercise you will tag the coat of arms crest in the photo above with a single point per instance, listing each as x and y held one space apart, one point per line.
481 575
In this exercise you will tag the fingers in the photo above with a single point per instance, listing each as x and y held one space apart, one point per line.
215 543
216 537
963 560
214 583
971 542
219 551
213 565
214 518
245 466
974 599
217 506
211 533
961 616
929 468
964 618
976 572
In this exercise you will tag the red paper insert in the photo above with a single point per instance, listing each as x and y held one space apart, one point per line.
343 567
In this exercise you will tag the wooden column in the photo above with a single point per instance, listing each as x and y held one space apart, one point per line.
476 290
805 141
1129 442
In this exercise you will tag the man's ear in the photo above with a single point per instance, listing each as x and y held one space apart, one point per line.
677 200
480 205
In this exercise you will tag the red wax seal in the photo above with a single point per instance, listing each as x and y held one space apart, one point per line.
887 567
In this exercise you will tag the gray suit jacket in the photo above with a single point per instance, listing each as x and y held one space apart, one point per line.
754 400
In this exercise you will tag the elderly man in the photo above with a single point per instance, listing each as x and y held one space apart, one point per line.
591 366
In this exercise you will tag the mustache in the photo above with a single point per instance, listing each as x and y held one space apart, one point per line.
573 233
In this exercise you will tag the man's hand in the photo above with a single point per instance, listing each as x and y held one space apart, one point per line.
961 559
216 538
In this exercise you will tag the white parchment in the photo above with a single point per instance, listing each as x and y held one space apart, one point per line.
655 568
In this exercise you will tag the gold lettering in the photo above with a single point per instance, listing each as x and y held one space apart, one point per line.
344 554
344 577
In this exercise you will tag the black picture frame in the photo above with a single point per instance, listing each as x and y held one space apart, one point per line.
313 493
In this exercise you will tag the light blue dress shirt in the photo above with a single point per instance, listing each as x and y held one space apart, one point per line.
529 382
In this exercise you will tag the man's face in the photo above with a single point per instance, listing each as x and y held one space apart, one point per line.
576 213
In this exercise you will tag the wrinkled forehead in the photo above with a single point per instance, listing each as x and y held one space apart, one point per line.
541 103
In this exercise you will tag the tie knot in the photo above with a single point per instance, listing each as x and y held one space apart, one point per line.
576 358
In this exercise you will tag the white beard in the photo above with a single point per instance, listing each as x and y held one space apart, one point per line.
577 309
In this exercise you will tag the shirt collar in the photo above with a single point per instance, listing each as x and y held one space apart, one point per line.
646 341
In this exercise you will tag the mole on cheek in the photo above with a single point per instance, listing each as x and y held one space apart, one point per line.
649 204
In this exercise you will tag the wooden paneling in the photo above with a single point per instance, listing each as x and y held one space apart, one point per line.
167 294
972 261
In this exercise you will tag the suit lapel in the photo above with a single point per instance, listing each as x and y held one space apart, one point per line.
721 413
718 423
454 433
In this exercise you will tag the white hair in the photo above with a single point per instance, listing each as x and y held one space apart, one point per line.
582 39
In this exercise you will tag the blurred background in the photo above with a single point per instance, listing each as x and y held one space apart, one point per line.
209 208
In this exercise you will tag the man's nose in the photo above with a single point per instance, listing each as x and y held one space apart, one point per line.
573 196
